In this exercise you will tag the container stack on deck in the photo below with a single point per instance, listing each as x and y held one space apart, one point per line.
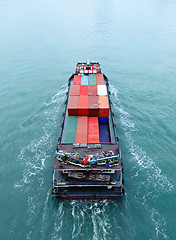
88 111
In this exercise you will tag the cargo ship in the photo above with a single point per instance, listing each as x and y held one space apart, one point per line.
88 163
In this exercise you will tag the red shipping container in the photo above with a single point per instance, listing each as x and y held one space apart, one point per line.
93 130
103 106
83 109
93 106
75 89
100 79
92 90
77 80
82 129
73 105
84 90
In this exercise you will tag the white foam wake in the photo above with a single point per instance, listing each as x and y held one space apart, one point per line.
34 156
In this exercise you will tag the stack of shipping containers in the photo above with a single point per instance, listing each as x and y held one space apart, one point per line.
88 111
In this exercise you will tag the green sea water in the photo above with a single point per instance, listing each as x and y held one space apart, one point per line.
40 43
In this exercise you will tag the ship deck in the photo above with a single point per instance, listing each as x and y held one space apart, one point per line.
78 182
84 151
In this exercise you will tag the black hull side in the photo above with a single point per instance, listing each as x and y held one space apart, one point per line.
87 199
87 193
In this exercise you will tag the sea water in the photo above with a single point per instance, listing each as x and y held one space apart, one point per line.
40 43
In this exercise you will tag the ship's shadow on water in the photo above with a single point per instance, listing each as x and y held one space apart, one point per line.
49 218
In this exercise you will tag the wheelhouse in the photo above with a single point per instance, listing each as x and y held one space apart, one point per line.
87 68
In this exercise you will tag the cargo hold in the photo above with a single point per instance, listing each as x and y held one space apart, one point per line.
70 131
82 129
93 130
104 133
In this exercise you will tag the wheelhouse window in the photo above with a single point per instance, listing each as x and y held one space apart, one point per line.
88 68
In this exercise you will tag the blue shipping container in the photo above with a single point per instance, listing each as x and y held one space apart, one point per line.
103 120
84 80
104 133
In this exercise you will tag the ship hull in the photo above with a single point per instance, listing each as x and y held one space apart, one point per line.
89 194
66 182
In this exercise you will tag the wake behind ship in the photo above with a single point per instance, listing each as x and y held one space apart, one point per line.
88 160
